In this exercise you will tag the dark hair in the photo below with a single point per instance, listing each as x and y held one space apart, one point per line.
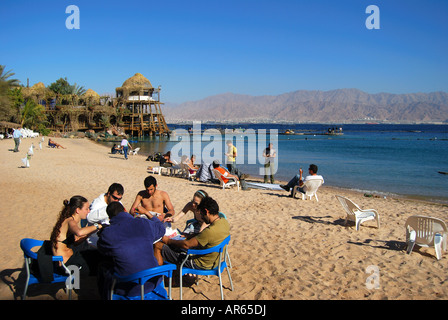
69 208
168 154
114 208
215 164
210 204
150 181
313 168
200 194
116 187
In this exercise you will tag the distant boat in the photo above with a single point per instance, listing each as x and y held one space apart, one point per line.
334 132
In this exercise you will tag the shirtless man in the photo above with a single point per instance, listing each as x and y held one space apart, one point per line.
153 200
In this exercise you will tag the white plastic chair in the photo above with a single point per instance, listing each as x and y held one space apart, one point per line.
310 187
186 171
426 232
356 214
232 180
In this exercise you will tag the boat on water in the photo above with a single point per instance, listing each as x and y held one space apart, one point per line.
334 132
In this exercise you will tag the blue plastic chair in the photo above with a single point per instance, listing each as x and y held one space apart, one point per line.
26 245
217 271
141 277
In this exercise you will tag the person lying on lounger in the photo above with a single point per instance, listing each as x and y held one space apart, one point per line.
54 144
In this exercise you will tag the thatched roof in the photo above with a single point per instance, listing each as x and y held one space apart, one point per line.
9 125
137 80
135 83
91 94
37 89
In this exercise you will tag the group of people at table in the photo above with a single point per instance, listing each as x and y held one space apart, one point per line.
125 242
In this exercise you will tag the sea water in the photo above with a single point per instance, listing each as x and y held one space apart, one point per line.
383 159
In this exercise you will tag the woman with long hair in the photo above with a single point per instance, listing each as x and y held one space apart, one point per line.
192 206
67 235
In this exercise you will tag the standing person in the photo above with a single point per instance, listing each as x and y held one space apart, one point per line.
231 156
269 154
17 135
67 236
125 145
129 242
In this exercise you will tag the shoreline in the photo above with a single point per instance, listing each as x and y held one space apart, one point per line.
281 248
373 193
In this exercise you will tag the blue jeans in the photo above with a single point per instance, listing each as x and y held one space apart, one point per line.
294 182
125 150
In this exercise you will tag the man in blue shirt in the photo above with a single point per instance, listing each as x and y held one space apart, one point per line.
17 134
129 242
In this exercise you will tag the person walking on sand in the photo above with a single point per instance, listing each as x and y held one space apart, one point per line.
125 145
17 134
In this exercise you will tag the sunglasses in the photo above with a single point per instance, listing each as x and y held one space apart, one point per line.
116 198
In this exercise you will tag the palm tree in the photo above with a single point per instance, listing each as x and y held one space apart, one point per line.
32 114
78 90
4 77
6 108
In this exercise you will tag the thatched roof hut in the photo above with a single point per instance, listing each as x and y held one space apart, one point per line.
38 90
135 85
91 94
91 97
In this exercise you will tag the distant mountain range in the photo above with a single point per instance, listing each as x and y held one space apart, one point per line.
335 106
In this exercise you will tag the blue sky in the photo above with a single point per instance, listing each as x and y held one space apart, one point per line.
195 49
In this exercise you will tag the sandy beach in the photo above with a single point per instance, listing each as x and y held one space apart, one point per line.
281 248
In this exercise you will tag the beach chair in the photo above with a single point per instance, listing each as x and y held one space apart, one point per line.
135 151
34 276
356 214
159 292
185 171
232 180
159 170
310 187
426 232
217 271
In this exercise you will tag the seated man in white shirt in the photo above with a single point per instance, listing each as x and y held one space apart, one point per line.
297 179
98 206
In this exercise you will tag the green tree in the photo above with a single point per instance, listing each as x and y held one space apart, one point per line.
33 115
16 99
61 86
6 110
77 90
67 93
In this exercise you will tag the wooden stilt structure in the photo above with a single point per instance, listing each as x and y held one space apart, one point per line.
141 111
